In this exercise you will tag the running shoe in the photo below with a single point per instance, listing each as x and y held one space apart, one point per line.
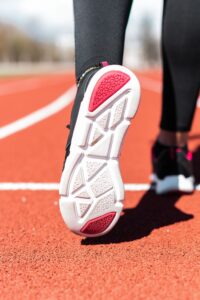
172 169
91 187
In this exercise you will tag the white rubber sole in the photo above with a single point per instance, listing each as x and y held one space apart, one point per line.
91 188
174 183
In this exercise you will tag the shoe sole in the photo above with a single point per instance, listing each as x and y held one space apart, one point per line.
171 184
91 187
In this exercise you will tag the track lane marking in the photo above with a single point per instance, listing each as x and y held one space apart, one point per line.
39 115
60 103
56 106
54 186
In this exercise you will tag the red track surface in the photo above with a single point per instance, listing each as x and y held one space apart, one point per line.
154 251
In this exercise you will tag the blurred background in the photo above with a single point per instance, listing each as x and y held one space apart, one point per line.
38 36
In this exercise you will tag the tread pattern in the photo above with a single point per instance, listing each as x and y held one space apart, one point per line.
102 184
92 181
83 208
92 167
98 225
118 114
78 180
102 121
103 205
107 86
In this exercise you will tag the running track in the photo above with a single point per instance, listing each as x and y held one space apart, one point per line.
154 251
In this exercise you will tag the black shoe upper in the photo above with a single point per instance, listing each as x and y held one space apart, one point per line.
76 106
169 161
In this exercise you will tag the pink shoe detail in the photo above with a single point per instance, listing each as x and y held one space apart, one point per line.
107 86
189 155
104 63
98 225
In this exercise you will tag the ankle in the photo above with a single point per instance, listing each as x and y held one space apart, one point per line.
168 138
91 68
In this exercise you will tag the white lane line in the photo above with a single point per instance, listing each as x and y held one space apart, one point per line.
57 106
32 186
60 103
137 187
39 115
54 186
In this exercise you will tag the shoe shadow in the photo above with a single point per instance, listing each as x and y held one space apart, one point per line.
151 213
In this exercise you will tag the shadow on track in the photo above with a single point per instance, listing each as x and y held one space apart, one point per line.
152 212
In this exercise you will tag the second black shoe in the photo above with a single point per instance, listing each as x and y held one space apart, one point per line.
172 169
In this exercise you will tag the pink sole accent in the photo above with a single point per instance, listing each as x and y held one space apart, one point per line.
107 86
98 225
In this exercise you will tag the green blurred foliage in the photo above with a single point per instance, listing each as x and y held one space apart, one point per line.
17 46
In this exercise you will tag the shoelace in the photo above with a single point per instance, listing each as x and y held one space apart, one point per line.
85 73
101 64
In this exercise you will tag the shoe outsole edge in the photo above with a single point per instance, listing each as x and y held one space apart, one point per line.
91 188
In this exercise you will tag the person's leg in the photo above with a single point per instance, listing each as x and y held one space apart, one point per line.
172 162
99 32
100 27
181 69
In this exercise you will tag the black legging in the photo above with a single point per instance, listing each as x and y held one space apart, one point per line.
181 63
100 27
